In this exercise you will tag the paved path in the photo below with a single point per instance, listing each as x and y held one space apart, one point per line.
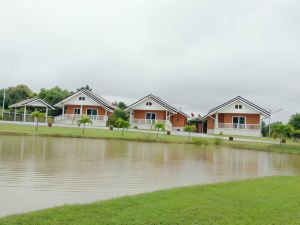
176 133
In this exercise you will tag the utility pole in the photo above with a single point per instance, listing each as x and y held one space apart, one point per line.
3 102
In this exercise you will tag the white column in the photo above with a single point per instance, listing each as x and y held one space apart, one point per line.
63 111
130 116
216 120
46 115
24 119
105 119
80 109
15 114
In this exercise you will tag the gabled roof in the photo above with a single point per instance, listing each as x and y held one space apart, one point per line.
239 98
159 101
93 96
30 102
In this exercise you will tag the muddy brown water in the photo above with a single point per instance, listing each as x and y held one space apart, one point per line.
41 172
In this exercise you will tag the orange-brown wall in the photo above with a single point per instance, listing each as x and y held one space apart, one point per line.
161 115
141 114
178 120
250 118
227 118
70 109
210 122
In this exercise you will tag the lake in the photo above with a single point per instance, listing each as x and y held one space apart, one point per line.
41 172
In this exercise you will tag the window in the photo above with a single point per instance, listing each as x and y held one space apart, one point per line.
81 98
238 106
77 111
177 119
148 103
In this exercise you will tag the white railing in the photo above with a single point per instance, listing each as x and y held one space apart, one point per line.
239 126
148 122
75 117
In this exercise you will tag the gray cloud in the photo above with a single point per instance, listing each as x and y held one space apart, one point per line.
196 54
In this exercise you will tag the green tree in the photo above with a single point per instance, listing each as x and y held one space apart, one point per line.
121 105
295 121
84 120
37 115
16 94
120 123
53 96
117 114
281 131
189 129
264 129
87 87
159 126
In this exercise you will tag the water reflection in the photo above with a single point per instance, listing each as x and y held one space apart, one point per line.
38 172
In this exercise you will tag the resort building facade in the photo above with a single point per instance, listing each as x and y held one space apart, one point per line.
148 111
84 102
236 117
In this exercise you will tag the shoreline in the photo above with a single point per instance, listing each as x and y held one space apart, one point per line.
237 200
91 133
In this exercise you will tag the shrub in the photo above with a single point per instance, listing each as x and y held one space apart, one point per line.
218 141
199 141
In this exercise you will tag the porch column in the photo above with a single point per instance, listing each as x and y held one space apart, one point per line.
217 121
46 115
105 119
15 118
63 111
80 109
130 116
24 119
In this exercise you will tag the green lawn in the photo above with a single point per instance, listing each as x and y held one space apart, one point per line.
265 201
290 147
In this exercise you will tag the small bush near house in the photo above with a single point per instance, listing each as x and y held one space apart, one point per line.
221 133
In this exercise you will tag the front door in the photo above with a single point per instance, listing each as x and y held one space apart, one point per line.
238 122
150 117
92 113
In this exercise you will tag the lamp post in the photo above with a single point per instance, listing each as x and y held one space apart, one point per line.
271 113
3 103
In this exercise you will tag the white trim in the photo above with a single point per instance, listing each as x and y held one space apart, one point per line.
213 112
147 99
80 92
47 105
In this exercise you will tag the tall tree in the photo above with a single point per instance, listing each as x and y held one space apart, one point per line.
121 105
295 121
16 94
87 87
53 95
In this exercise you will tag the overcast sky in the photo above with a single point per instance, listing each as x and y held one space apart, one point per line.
193 53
